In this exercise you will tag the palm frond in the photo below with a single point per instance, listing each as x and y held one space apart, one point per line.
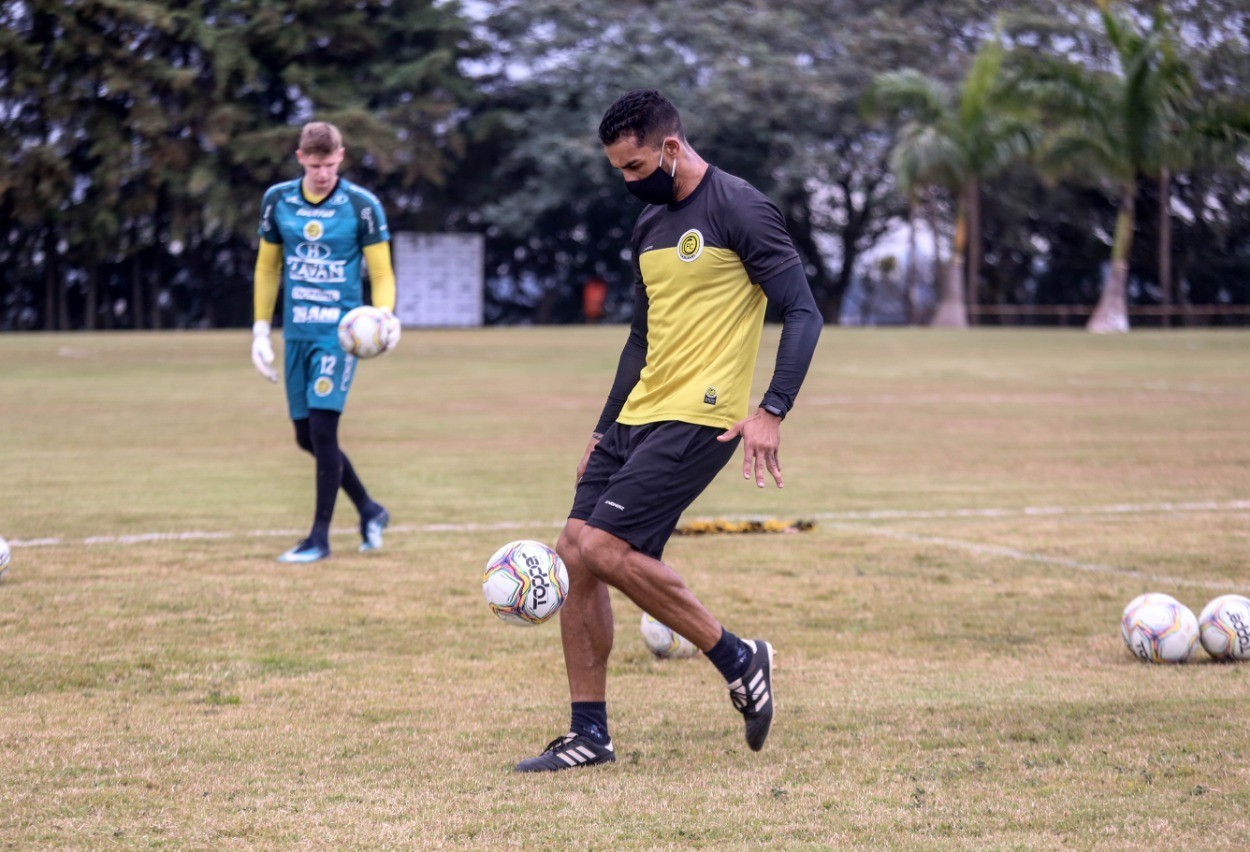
1088 155
907 94
1005 141
925 154
980 85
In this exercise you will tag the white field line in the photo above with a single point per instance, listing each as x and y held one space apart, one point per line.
879 515
1025 556
203 535
970 547
1037 511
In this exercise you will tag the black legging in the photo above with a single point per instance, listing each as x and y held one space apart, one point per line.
319 434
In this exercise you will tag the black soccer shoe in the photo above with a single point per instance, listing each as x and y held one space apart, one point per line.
752 694
566 752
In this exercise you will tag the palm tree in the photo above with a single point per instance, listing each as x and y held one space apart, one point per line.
1116 125
954 139
1209 131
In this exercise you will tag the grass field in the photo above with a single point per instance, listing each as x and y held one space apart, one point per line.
951 673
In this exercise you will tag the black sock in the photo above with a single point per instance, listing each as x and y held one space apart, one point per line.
351 482
590 719
730 656
323 427
356 490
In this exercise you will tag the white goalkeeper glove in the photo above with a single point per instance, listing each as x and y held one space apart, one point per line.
262 351
390 331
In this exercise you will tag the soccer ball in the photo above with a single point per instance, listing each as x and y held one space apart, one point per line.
367 332
525 582
663 642
4 556
1224 627
1136 604
1163 632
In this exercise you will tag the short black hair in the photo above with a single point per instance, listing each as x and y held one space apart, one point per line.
644 114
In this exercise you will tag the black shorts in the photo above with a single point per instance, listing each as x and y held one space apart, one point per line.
639 479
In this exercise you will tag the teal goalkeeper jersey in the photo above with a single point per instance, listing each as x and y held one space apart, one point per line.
322 248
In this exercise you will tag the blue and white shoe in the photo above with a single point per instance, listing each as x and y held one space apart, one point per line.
305 551
371 531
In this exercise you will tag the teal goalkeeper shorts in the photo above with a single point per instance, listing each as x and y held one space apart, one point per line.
318 375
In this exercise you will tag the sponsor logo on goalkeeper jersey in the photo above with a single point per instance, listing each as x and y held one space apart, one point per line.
312 251
316 271
314 212
315 294
315 313
313 230
366 213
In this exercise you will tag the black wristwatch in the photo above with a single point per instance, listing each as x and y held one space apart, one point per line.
773 410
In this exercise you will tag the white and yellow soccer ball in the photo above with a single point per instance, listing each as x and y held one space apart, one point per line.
525 582
1224 627
1136 604
4 557
1163 632
664 642
367 332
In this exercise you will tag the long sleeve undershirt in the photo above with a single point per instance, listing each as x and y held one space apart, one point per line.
267 278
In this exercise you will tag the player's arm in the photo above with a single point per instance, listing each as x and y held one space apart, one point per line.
381 275
801 325
382 282
266 279
629 367
628 371
758 233
800 331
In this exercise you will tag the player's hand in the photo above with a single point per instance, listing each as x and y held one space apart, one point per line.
581 465
761 439
390 331
262 351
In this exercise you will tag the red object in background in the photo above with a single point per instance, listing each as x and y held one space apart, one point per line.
594 294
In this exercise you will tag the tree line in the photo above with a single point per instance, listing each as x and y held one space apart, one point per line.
1052 153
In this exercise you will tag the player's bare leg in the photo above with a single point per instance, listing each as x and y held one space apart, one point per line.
586 633
586 625
651 584
657 589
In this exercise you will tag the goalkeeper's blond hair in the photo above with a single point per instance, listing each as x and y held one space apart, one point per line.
320 139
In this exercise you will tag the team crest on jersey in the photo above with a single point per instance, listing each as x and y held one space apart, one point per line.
690 246
323 386
709 395
313 230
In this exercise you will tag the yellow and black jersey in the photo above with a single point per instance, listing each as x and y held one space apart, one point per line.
697 264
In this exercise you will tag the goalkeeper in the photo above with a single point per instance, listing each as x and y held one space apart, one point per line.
314 231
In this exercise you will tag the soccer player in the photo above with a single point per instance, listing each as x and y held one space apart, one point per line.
314 231
709 250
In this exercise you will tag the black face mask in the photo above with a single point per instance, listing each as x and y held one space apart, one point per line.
657 187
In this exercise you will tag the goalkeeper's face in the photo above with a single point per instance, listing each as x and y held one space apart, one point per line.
320 170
